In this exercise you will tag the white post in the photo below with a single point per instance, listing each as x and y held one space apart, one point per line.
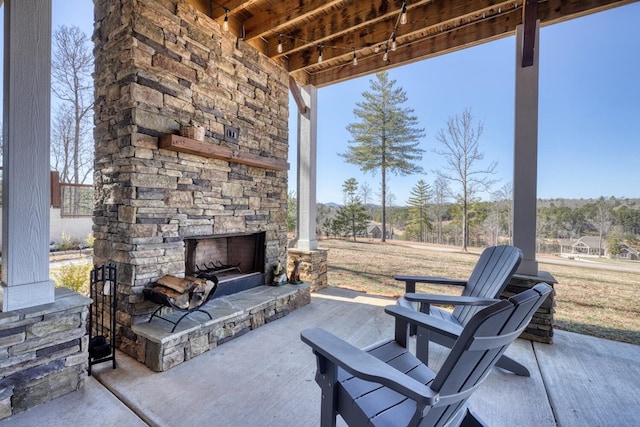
525 170
307 169
26 128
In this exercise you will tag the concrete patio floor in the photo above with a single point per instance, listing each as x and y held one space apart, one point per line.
266 378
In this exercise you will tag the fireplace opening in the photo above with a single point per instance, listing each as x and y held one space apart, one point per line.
237 260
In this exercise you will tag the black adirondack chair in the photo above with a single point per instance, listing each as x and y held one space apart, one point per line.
387 385
494 269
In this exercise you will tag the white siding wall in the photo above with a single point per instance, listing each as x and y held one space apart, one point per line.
77 228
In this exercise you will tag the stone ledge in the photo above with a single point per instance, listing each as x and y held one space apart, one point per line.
65 300
233 315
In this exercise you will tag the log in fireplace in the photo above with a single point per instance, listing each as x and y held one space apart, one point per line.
237 260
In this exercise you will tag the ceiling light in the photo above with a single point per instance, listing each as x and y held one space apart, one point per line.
225 23
403 14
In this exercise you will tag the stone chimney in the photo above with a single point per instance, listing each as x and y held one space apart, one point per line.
162 65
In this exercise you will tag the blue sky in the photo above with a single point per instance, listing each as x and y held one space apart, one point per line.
589 111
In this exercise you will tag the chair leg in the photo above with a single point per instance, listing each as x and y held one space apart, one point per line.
422 345
327 379
505 362
472 420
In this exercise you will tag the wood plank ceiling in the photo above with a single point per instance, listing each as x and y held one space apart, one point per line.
341 29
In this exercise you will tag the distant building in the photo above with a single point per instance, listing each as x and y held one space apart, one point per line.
587 245
590 246
373 231
627 252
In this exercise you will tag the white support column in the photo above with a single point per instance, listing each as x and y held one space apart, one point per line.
26 129
525 170
307 170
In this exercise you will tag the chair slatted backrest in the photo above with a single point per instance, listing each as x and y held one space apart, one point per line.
484 339
494 269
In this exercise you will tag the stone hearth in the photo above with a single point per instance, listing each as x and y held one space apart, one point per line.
233 316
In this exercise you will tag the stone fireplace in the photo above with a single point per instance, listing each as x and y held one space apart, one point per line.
165 201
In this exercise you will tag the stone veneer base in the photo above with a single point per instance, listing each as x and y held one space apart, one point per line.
312 268
233 315
540 328
43 352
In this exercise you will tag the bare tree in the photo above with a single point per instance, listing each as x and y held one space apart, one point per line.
72 83
440 192
62 142
461 150
601 217
503 199
365 192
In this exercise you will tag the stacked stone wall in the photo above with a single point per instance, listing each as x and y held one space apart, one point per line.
43 352
540 328
160 65
312 267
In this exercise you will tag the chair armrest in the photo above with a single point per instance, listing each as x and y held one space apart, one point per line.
431 279
365 366
449 299
424 320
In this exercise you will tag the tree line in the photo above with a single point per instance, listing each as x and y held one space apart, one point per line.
431 220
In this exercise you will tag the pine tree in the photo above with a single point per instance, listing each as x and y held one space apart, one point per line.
420 224
385 137
352 218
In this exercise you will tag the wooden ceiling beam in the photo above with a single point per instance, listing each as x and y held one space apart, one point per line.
434 18
233 6
434 27
355 18
435 45
555 11
361 23
286 15
297 96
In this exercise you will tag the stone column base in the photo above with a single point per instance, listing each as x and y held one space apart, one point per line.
44 352
540 328
313 266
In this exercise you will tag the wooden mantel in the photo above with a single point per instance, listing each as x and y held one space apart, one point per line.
213 151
